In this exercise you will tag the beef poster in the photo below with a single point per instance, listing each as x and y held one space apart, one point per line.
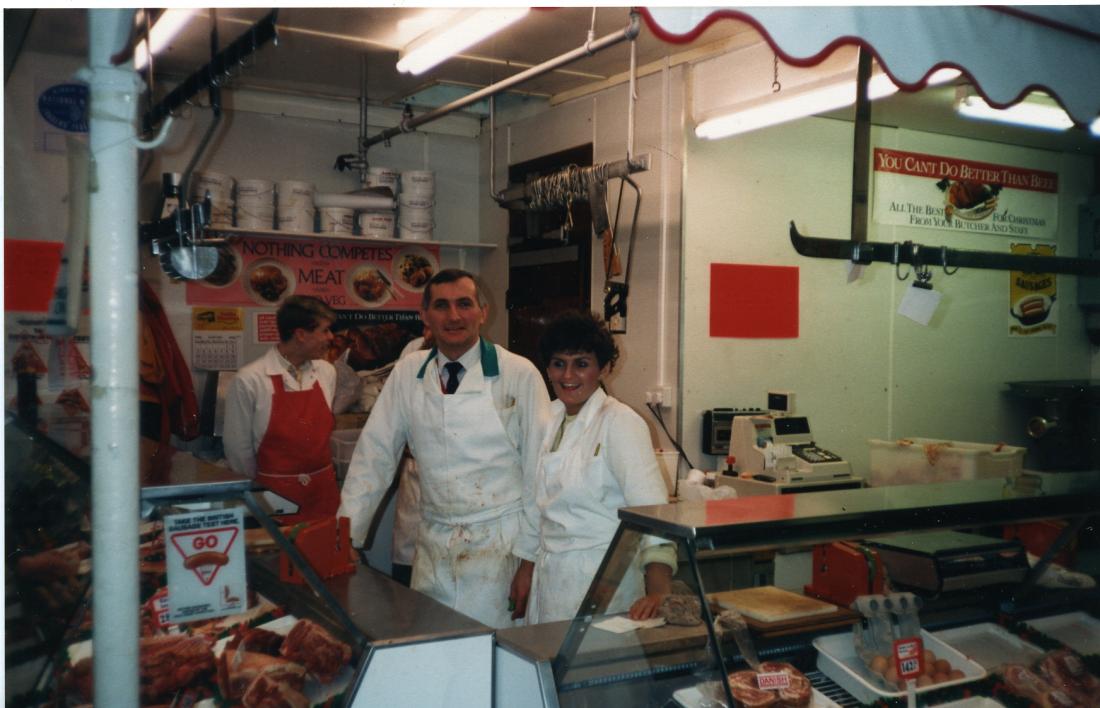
967 196
345 274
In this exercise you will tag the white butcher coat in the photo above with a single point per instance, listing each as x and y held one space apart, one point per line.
604 462
476 451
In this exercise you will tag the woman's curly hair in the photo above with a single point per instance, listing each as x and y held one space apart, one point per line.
578 332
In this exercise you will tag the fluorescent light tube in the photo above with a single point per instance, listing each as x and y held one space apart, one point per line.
801 102
1035 111
164 30
443 42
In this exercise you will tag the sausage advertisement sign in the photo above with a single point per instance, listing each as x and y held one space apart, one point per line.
205 558
966 196
345 274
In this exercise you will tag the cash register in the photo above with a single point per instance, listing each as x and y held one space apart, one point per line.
776 454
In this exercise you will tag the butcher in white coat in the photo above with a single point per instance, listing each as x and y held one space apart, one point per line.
596 457
472 414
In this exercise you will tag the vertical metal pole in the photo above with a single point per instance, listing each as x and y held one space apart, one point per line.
113 273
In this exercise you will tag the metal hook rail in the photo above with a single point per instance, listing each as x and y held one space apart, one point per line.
213 74
865 252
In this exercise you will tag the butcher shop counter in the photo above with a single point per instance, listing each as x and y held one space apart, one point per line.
579 663
404 630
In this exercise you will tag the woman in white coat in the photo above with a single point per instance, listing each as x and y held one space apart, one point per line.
596 457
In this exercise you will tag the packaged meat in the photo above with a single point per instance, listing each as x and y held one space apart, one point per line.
744 690
311 645
173 662
683 610
798 693
1065 672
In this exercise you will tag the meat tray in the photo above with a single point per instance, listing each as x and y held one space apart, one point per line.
990 645
692 697
1077 630
837 659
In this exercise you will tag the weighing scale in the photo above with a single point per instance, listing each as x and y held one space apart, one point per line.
939 561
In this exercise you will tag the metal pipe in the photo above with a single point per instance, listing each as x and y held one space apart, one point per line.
631 100
588 49
363 124
497 196
113 270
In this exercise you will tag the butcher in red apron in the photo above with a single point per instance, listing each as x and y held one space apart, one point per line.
278 413
295 458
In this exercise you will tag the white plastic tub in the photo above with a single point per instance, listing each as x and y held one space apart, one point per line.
376 224
837 659
991 645
294 193
420 182
923 460
335 220
256 188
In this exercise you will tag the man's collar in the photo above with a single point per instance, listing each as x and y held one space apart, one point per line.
484 351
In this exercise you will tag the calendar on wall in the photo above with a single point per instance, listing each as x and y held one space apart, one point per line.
217 338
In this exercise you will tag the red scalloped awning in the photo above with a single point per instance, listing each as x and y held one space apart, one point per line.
1006 51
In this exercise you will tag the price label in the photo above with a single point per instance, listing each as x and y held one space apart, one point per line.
909 657
773 681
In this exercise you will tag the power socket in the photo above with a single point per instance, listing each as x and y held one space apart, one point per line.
661 395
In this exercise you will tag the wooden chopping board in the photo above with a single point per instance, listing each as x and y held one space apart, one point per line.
772 604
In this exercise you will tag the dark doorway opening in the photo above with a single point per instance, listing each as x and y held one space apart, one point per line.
549 258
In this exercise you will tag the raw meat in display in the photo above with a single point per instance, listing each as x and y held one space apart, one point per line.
173 662
238 669
684 610
268 692
320 652
260 641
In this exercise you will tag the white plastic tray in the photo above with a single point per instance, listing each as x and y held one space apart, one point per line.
837 659
1079 631
692 697
972 702
991 645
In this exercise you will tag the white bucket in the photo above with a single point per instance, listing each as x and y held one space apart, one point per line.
256 204
418 182
299 220
337 221
415 200
409 234
418 219
376 224
255 188
255 221
383 177
293 193
212 181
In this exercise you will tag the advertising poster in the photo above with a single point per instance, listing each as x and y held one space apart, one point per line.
1032 297
955 194
346 275
205 559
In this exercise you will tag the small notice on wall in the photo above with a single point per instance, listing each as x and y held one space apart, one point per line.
265 327
217 334
956 194
204 555
1032 297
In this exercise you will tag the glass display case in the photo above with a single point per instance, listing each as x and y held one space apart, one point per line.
686 661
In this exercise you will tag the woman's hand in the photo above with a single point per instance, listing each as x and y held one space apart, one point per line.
658 584
521 589
646 607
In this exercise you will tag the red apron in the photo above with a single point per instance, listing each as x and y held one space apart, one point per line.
295 457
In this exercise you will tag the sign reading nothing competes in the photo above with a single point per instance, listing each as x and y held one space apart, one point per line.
954 194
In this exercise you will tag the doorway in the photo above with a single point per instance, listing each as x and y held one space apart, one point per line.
549 259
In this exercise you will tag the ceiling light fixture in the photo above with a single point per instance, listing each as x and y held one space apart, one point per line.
1036 110
806 100
164 30
454 36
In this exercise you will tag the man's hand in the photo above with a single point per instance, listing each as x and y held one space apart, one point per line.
521 589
